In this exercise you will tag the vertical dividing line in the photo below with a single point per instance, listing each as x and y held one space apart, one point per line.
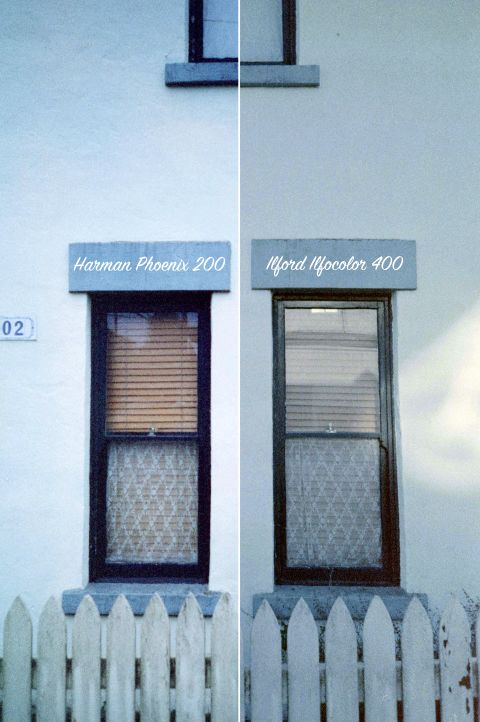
239 291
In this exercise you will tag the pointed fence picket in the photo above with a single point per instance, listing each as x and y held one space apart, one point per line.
303 666
266 667
155 663
341 665
224 662
190 663
417 665
455 665
379 664
121 663
17 664
86 655
51 664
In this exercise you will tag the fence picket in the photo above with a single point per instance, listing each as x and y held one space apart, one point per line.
224 661
17 664
155 664
379 664
121 663
86 662
417 665
190 663
51 663
341 662
303 666
455 665
266 666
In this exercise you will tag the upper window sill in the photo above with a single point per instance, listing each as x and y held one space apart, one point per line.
201 74
259 75
271 75
173 596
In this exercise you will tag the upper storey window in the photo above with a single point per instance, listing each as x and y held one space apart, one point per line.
268 31
213 30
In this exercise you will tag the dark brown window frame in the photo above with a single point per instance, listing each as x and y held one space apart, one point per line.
389 572
99 568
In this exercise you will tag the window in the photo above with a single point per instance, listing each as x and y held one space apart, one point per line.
268 31
150 446
335 494
213 30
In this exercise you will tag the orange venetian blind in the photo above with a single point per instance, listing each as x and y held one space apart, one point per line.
152 372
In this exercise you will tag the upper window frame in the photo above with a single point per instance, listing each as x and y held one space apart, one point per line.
99 569
195 36
389 572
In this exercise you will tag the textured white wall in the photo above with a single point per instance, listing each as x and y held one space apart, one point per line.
386 147
94 147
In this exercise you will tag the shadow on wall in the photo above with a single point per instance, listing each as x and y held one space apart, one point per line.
440 420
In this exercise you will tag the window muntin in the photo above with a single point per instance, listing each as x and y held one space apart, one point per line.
213 30
150 437
334 477
268 31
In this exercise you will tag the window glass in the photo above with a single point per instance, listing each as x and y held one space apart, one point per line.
220 29
261 31
152 372
332 484
331 360
152 485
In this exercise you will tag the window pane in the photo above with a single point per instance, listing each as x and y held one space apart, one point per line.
152 499
261 31
220 28
152 372
333 502
331 358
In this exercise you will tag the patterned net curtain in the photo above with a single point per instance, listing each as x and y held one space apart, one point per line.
332 484
152 484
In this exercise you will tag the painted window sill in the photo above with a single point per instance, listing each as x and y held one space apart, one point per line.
201 74
104 595
265 75
321 599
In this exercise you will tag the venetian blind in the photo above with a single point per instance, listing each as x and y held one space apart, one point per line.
152 372
332 377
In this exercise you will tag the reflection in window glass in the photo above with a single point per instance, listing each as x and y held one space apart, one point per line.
220 29
331 370
261 31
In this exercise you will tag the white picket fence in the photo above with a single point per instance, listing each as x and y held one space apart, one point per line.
120 688
295 685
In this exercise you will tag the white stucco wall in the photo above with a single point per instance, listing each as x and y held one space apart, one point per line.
95 148
386 147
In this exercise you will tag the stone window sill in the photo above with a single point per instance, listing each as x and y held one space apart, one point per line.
201 74
265 75
104 595
262 75
321 599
